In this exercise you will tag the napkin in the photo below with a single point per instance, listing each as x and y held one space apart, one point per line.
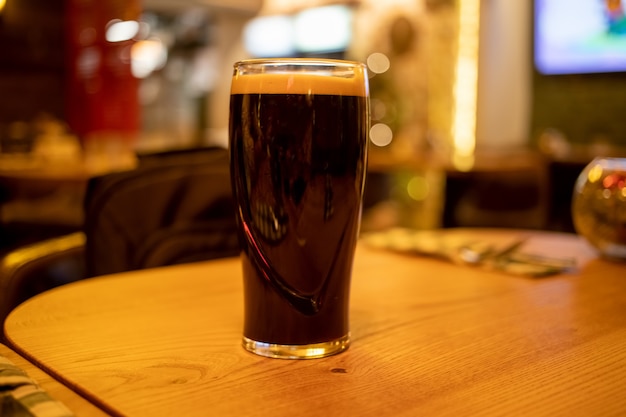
506 256
21 396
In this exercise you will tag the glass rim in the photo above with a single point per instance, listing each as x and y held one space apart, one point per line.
607 160
303 62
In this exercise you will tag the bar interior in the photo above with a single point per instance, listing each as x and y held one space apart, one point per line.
496 171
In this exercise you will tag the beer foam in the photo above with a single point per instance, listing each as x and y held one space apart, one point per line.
301 83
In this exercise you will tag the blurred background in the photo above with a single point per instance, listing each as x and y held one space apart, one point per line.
483 111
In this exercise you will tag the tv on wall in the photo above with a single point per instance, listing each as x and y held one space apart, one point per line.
579 36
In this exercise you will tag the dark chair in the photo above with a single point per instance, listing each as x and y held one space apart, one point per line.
506 199
174 208
37 267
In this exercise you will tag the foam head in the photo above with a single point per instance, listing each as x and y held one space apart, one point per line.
300 76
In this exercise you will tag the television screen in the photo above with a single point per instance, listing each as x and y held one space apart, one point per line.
579 36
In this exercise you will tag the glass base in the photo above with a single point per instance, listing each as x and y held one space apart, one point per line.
312 351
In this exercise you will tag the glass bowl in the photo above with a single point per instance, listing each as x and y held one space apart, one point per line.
599 206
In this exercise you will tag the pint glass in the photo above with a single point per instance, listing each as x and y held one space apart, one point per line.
298 154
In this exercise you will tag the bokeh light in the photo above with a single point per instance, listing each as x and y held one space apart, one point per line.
120 31
378 63
147 56
417 188
381 134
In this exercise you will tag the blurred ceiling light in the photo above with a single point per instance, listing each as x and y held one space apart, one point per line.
2 4
466 85
323 29
269 36
381 134
378 63
147 56
121 30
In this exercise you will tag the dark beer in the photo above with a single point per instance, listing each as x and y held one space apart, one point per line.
298 163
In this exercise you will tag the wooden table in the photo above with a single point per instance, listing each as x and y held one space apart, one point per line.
44 199
429 338
56 390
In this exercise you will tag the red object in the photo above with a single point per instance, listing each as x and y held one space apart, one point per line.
102 93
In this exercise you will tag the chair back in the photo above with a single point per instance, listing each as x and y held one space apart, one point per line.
174 208
30 269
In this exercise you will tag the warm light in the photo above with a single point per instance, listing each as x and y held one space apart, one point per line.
381 134
120 31
2 4
147 56
463 162
378 63
466 84
417 188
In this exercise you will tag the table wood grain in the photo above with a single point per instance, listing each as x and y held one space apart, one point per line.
428 338
56 390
